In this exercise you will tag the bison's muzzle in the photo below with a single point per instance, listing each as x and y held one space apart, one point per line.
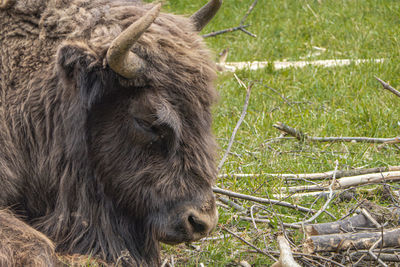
189 222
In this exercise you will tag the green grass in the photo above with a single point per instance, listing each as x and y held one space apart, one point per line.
339 101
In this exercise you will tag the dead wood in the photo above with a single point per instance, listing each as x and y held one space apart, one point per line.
286 257
303 137
388 87
266 253
244 111
241 26
380 215
231 204
261 200
211 34
346 182
343 226
315 176
388 257
346 241
278 65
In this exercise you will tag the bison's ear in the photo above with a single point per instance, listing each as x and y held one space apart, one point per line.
80 70
73 58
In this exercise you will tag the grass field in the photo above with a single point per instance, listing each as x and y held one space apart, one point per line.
339 101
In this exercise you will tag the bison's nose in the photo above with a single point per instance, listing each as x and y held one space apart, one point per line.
188 222
200 224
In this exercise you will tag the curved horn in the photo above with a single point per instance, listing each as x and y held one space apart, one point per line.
119 57
205 14
6 3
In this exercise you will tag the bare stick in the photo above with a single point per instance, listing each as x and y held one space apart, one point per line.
258 220
370 218
330 197
247 32
317 194
291 131
231 204
261 200
388 87
248 12
346 182
240 27
244 111
302 137
212 34
383 256
286 257
370 252
164 262
317 176
248 243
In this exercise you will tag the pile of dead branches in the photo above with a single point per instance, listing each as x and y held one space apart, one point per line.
367 234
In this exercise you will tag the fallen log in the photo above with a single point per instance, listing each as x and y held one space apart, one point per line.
382 256
343 226
346 241
380 214
388 257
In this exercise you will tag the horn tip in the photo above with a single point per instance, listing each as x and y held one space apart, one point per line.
4 4
157 7
205 14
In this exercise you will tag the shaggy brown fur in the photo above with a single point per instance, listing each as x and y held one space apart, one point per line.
98 163
21 245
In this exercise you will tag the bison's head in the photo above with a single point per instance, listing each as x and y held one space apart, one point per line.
147 83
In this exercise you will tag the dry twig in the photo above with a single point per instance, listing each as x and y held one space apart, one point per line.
388 87
346 182
302 137
370 252
261 200
241 26
248 243
317 176
330 197
244 111
383 256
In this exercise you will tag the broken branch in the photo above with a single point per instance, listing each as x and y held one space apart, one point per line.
346 182
211 34
244 111
261 200
330 197
388 87
286 257
302 137
317 176
241 26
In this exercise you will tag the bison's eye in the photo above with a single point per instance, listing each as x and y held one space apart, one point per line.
143 131
159 135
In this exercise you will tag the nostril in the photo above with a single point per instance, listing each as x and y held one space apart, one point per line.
198 225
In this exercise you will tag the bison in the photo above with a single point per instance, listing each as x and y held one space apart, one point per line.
105 129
